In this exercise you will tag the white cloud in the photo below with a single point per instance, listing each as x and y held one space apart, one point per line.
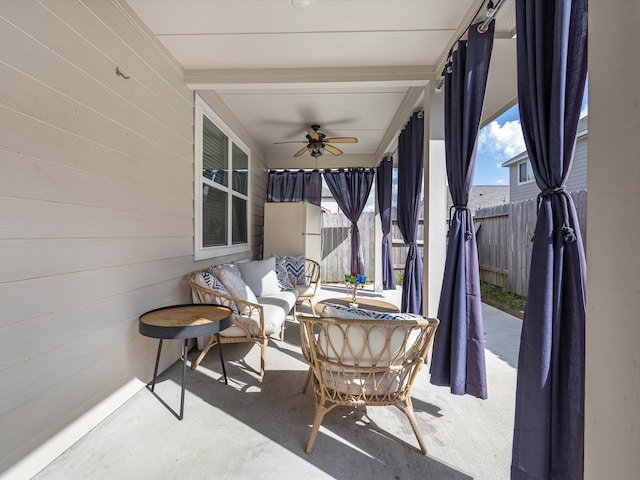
500 182
503 141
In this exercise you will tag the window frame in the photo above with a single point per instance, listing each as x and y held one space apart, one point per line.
524 182
202 109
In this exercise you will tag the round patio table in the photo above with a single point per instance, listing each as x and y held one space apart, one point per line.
184 322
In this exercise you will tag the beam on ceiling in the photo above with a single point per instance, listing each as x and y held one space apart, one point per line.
307 77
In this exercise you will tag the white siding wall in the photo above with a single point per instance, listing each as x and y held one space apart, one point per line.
96 217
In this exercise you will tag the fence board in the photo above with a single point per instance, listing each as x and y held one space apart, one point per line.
504 240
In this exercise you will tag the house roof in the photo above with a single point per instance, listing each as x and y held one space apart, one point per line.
354 67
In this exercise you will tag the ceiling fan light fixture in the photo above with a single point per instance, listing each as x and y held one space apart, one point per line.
303 4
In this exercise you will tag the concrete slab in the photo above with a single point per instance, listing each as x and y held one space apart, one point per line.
258 428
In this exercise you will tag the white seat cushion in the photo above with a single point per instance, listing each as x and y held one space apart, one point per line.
274 317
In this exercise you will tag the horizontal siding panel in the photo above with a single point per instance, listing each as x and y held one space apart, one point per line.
146 83
85 188
119 19
36 60
26 259
17 134
40 19
73 289
31 98
96 368
20 218
98 310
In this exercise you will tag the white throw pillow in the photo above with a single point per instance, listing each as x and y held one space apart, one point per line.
260 276
236 286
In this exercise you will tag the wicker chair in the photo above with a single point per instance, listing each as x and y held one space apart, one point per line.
308 292
246 311
364 362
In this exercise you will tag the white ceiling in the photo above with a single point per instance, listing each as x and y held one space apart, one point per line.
355 67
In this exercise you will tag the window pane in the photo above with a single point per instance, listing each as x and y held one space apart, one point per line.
240 169
214 216
239 220
525 172
215 153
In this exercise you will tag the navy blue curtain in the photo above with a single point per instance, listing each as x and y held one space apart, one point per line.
548 440
458 350
410 166
300 186
385 187
351 189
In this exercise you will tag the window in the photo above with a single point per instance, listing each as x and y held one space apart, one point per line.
221 187
525 172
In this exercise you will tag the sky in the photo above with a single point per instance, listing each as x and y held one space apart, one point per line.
498 141
501 140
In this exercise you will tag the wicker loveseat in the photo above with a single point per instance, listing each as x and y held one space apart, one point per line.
257 316
364 361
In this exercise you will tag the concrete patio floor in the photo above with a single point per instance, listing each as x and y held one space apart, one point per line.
258 428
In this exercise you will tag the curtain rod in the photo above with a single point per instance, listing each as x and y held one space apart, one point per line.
320 170
492 11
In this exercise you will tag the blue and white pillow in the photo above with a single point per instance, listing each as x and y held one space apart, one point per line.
338 311
295 266
207 280
284 282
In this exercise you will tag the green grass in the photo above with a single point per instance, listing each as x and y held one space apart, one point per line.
503 299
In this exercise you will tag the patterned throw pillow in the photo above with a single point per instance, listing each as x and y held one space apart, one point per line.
284 282
338 311
207 280
294 266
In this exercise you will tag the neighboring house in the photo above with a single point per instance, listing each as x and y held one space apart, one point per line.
484 196
522 183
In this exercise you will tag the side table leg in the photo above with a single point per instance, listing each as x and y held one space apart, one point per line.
224 371
155 369
184 375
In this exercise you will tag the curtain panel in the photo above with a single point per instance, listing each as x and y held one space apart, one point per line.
300 186
458 351
548 440
384 186
350 188
410 167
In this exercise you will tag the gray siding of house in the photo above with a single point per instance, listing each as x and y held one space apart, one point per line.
577 177
96 217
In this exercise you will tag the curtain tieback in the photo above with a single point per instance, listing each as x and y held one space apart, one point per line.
568 234
467 232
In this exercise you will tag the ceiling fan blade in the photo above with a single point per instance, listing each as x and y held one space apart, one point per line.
342 140
332 149
313 135
295 141
300 152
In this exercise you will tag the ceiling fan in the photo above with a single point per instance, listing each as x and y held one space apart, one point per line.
317 143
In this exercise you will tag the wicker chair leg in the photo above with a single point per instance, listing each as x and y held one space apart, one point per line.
320 413
408 411
263 355
205 350
307 380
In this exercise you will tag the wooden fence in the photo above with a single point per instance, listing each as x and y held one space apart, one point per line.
504 234
336 247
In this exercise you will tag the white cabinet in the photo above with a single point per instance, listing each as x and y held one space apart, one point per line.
293 229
